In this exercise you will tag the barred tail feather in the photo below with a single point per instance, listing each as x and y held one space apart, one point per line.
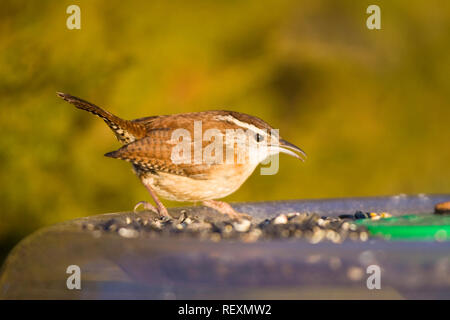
125 130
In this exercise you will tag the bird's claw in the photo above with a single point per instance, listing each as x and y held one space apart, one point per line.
226 209
146 205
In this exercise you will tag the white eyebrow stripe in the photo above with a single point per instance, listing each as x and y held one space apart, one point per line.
239 123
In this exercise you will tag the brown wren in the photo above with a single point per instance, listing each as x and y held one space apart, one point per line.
219 165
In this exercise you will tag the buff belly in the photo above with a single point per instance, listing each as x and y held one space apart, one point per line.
182 188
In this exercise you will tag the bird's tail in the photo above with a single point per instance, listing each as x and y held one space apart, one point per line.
126 131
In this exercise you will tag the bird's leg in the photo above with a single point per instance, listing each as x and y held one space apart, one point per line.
226 209
160 209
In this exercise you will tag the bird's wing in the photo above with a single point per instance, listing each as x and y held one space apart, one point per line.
155 153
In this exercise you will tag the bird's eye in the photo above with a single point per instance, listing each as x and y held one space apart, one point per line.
259 137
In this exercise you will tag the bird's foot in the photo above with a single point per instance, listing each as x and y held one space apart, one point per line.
161 210
226 209
146 205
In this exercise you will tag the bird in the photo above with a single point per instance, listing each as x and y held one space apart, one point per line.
192 157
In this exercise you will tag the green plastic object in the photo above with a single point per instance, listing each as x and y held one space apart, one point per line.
426 227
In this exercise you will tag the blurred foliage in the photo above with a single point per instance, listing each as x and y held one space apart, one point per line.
371 108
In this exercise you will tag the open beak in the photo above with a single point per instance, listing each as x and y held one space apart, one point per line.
292 150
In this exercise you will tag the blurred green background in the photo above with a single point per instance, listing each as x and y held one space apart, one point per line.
371 108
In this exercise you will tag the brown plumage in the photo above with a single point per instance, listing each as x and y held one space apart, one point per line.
148 144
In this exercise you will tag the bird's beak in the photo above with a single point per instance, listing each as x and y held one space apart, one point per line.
292 150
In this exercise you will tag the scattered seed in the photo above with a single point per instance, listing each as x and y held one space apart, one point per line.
281 219
346 216
292 215
242 226
385 215
363 236
442 208
360 215
309 226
